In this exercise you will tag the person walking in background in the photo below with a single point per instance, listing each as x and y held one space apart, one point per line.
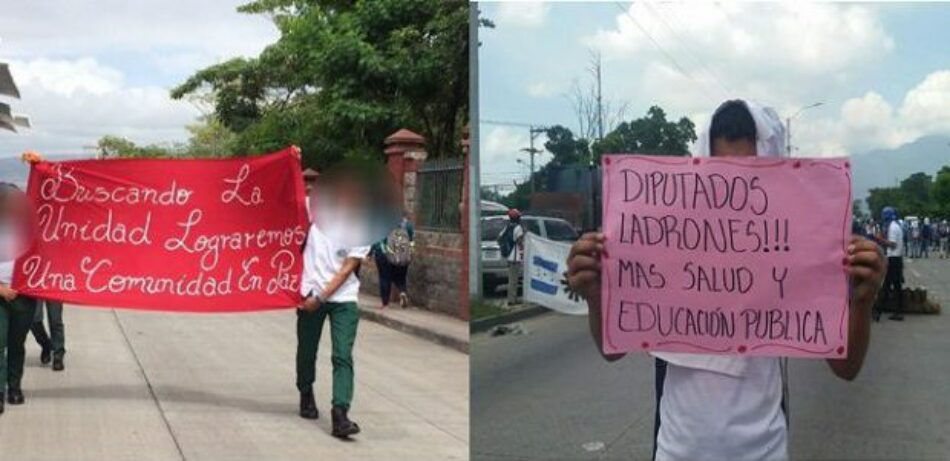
893 242
16 310
926 238
511 243
943 233
914 239
53 344
392 256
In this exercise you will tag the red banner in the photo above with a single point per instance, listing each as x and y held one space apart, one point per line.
206 235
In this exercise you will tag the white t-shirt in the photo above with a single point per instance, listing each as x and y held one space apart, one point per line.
322 260
708 415
8 253
517 253
895 234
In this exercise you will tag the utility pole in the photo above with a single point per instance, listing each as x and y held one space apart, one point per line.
474 180
533 132
600 97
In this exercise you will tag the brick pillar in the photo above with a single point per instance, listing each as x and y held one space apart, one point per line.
466 217
404 151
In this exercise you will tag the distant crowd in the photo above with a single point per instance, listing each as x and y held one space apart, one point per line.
922 236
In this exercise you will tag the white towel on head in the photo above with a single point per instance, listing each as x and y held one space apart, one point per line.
769 142
769 133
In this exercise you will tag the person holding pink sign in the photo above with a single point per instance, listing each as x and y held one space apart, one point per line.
725 406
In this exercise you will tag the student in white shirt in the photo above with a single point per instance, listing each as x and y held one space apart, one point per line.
16 310
894 244
728 407
330 289
514 231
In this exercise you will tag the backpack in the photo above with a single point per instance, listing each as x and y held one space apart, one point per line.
506 240
398 248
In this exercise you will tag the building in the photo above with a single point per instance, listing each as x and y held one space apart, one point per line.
9 121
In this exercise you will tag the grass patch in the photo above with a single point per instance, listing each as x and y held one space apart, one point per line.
482 309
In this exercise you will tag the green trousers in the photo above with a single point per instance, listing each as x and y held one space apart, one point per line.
343 320
15 320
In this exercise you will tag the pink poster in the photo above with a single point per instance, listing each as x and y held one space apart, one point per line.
726 255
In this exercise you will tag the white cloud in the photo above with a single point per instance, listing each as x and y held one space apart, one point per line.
73 103
772 52
869 121
778 54
500 150
927 106
98 67
65 78
61 28
521 14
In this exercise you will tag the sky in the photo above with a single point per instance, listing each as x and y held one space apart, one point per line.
880 70
97 67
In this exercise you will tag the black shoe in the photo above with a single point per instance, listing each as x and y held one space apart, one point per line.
342 426
46 355
58 364
308 407
15 396
1 403
898 317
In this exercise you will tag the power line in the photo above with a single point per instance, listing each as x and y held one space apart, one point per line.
669 57
506 123
689 48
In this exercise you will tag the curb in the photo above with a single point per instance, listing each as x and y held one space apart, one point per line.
485 324
417 331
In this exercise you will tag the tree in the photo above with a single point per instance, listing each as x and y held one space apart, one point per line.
880 197
940 193
210 138
118 147
651 134
345 74
594 112
915 192
567 149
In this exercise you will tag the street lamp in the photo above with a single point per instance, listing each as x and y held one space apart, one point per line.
788 125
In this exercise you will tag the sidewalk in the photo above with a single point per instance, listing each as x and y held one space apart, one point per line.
157 386
432 326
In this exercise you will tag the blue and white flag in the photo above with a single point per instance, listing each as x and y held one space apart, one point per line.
545 280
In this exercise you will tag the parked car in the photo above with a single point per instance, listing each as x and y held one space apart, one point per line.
494 266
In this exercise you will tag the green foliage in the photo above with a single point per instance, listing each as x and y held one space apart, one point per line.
652 134
344 75
941 192
117 147
917 195
566 149
210 138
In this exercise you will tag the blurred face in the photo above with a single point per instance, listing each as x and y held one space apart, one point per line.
355 209
722 147
13 207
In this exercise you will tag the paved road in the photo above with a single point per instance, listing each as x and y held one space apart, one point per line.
548 395
151 386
